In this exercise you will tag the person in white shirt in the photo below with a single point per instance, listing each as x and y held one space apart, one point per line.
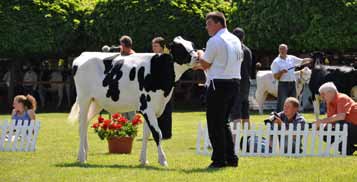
30 79
283 68
221 61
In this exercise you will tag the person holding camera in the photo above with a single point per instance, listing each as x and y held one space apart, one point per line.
289 115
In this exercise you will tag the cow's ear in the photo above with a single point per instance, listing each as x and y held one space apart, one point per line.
170 46
166 57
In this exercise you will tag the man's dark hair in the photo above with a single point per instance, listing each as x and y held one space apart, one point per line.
217 17
126 41
159 40
239 32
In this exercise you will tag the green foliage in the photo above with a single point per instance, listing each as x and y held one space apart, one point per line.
303 24
39 28
145 19
60 28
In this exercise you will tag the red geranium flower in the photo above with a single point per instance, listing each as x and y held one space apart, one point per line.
122 120
112 126
136 120
107 122
118 126
95 125
100 119
105 126
116 116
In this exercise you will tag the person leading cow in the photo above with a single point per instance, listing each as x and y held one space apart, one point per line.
283 68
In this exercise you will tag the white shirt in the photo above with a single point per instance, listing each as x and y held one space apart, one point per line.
224 53
289 62
30 76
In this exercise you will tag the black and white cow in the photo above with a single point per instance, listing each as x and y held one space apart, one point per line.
344 77
143 82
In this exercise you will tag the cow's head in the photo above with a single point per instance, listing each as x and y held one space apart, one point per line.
182 51
305 74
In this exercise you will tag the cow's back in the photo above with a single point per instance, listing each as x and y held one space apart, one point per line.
343 77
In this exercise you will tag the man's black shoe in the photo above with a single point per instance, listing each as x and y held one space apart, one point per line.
216 165
232 163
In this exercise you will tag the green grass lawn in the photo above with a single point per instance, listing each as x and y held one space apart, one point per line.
55 159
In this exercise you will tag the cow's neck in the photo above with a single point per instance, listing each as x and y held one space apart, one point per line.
179 70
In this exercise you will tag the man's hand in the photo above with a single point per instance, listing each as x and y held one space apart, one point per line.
197 66
278 120
199 54
318 123
278 75
201 63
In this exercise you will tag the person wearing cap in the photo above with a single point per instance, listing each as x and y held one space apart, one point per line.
283 68
340 109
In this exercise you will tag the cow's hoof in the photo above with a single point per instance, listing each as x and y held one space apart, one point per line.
164 163
144 162
81 161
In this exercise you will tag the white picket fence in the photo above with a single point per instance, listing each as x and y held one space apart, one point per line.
310 140
20 137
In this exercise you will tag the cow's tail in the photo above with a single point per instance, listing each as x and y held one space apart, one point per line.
74 114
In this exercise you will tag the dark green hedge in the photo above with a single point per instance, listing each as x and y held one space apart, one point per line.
40 28
58 28
145 19
305 25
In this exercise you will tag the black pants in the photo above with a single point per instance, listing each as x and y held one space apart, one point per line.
220 98
165 121
285 90
240 109
351 137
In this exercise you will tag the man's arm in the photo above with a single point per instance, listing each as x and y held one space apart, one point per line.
278 75
205 59
204 63
331 119
301 61
277 72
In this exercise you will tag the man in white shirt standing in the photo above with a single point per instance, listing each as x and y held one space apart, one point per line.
222 61
283 68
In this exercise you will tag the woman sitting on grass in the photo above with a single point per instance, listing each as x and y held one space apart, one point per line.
24 109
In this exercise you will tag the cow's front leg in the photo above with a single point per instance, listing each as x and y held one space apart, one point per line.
316 104
146 134
151 121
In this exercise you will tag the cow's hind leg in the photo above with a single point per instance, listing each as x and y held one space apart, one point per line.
151 121
146 134
260 97
83 129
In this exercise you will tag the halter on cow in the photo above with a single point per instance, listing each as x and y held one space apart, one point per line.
143 82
